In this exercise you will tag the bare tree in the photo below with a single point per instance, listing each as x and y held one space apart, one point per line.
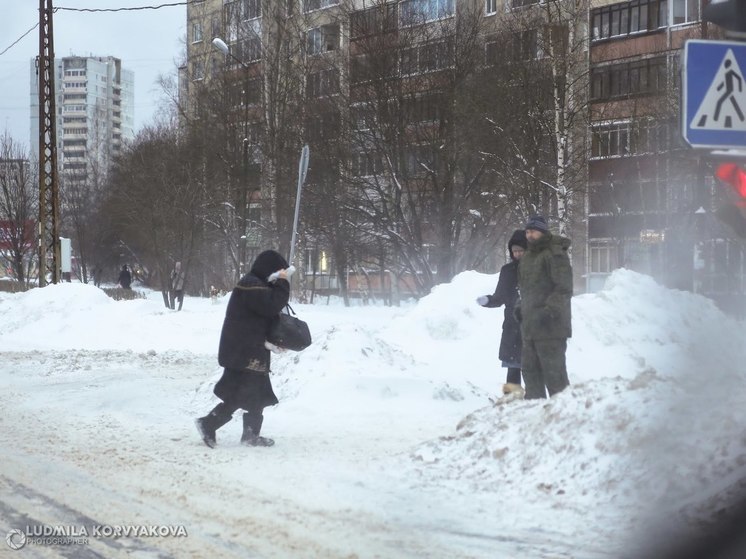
18 210
157 201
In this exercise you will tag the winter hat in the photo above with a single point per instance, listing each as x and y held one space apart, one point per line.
538 223
518 238
267 263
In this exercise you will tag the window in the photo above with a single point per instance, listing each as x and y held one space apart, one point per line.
423 108
610 140
650 136
522 3
363 117
198 70
684 11
247 50
250 9
525 46
196 32
638 16
640 77
325 82
216 26
323 127
626 138
310 5
366 164
379 19
603 259
492 52
245 92
413 12
427 58
322 39
490 6
418 160
359 69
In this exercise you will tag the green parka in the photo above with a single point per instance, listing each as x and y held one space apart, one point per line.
545 284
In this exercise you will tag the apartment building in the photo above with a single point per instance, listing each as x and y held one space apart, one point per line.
333 42
651 198
647 200
95 112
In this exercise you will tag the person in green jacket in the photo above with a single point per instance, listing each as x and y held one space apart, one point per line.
545 285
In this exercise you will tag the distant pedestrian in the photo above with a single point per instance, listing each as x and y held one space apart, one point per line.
545 284
506 293
253 305
177 286
125 277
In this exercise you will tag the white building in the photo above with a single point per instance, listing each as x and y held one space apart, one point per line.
95 108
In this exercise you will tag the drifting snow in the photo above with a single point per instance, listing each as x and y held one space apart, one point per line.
387 442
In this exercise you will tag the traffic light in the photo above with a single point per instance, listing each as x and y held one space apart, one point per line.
728 14
734 176
734 213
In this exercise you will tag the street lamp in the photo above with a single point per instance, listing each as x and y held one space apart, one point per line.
221 45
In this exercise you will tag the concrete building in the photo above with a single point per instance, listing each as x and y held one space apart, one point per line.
95 112
646 200
651 199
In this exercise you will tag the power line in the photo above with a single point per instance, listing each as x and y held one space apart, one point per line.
132 9
18 39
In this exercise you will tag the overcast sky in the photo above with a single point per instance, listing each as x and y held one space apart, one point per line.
149 42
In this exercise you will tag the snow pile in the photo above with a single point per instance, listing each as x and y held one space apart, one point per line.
660 437
80 316
635 324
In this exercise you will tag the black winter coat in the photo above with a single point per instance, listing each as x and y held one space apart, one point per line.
506 293
253 305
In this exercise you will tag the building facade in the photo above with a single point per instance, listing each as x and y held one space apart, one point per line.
652 200
641 199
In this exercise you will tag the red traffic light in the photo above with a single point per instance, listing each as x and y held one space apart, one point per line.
734 176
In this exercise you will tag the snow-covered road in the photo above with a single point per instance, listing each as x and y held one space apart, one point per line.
80 446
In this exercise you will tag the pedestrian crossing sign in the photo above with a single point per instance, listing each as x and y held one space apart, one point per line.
713 104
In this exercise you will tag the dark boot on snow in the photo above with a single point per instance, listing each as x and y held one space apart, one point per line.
252 425
208 425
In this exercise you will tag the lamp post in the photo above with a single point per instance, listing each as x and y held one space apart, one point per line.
221 45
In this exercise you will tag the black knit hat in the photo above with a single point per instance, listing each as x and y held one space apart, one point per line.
267 263
517 238
538 223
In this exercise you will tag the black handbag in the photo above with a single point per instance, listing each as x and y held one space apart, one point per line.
289 332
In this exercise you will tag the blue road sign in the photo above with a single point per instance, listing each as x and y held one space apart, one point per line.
713 104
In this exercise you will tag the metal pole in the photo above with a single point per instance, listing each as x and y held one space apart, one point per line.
302 168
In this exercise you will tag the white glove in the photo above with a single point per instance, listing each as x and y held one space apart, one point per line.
273 348
274 275
483 300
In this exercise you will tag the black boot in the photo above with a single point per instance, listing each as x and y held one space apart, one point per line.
252 425
208 425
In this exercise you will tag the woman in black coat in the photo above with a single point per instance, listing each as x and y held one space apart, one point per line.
254 303
506 293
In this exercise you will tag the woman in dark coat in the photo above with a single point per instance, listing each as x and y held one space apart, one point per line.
245 384
506 293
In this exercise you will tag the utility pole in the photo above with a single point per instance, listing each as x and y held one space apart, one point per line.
49 196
